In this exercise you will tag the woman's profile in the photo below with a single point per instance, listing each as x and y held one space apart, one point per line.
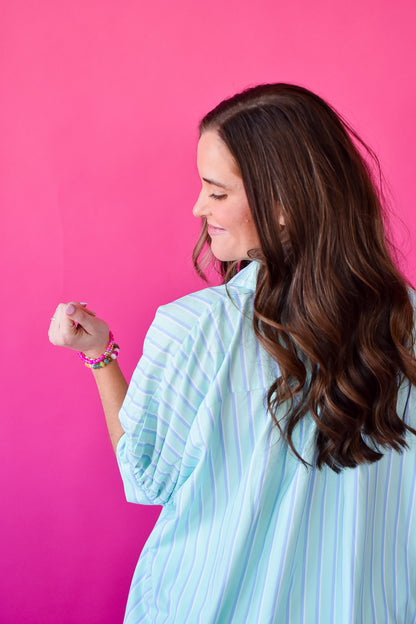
273 417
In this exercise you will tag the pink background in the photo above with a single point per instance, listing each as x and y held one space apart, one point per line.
100 102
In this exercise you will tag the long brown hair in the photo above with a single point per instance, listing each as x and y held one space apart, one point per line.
330 305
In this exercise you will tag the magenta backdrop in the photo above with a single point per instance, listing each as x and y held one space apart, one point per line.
100 102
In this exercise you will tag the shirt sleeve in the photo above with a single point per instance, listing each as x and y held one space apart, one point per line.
162 401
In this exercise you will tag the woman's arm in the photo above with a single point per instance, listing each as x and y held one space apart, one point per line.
112 388
75 327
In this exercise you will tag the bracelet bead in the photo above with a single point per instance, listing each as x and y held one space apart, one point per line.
111 353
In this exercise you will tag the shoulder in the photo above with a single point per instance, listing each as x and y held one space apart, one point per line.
217 308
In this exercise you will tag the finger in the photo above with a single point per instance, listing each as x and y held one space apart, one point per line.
60 324
79 316
84 307
75 327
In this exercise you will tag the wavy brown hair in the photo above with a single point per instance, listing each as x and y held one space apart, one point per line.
330 305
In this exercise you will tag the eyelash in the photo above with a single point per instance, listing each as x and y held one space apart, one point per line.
218 197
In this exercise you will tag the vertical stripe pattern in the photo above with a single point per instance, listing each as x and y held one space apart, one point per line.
247 533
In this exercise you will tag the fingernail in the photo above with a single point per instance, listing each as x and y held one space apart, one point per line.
83 303
70 309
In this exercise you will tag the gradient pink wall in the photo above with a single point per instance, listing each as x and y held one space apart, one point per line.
100 102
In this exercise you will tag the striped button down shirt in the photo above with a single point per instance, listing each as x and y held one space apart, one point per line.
247 533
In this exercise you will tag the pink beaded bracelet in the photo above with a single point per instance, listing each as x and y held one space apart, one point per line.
110 354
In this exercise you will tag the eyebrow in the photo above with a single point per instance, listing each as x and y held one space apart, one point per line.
215 183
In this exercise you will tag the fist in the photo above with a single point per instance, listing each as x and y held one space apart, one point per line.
75 327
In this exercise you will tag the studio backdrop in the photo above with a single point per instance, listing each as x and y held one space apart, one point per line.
99 107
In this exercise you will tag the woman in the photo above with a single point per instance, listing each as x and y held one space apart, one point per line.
273 417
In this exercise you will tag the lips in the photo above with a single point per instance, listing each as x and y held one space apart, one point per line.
213 230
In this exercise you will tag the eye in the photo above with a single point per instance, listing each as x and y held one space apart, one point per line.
218 197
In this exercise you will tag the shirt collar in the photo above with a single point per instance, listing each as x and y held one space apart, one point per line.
247 277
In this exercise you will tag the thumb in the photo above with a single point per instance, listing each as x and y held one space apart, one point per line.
81 316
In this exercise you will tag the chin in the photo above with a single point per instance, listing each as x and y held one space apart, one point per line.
224 255
228 257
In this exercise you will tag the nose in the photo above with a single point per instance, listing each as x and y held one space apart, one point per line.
200 208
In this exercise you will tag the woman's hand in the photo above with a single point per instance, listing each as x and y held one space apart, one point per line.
75 327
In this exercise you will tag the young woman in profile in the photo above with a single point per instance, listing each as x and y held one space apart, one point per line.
273 417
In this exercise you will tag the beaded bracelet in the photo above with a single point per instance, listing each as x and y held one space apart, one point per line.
110 354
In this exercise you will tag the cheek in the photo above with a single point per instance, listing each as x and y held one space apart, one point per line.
243 217
250 230
247 220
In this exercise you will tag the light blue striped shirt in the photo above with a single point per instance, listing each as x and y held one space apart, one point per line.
247 533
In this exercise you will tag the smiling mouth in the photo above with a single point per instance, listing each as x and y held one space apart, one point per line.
213 230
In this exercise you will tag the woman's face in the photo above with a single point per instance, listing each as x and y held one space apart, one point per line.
223 202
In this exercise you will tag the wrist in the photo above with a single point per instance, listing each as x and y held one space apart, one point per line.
95 360
93 354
